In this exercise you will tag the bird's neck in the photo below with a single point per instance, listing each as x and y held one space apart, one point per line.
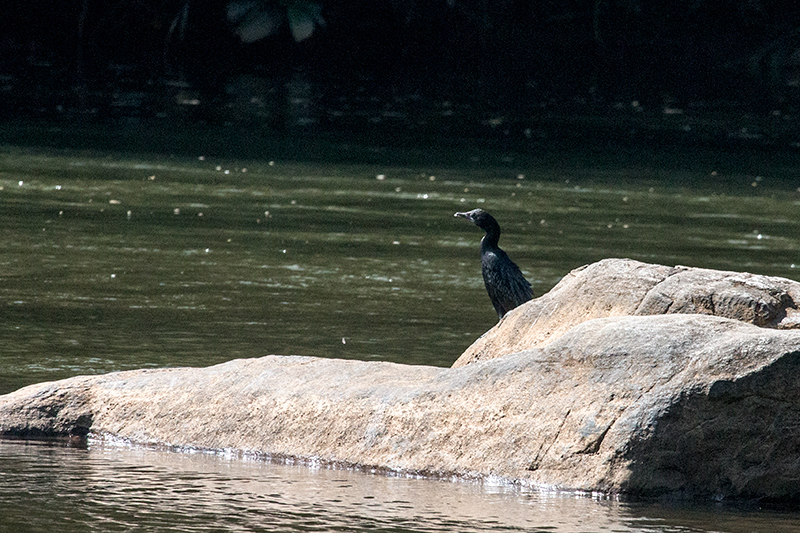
491 238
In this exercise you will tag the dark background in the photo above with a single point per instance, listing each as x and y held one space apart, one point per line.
699 70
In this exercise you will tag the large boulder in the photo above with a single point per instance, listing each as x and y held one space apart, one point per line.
623 287
693 405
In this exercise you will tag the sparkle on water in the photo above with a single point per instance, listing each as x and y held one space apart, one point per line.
113 263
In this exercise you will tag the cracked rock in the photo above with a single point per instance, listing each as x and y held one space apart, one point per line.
623 287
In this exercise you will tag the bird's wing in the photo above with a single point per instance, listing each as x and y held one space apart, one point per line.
506 285
519 287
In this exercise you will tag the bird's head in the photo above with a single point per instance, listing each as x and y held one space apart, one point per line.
480 218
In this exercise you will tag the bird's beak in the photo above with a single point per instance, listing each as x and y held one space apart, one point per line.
462 215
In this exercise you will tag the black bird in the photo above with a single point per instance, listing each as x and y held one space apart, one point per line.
506 285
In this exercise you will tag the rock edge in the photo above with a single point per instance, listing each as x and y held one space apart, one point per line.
689 405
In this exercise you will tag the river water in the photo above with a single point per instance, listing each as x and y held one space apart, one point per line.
111 260
120 488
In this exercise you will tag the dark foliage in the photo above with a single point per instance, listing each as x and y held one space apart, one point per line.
510 55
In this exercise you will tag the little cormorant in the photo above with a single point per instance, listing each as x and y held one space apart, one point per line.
506 285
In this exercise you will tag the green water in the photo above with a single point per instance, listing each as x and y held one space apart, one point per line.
111 261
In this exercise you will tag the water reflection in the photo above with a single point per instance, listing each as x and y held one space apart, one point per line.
117 488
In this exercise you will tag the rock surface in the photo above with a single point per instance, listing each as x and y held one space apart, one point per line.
623 287
682 404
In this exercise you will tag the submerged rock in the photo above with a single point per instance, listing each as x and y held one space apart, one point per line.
694 405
